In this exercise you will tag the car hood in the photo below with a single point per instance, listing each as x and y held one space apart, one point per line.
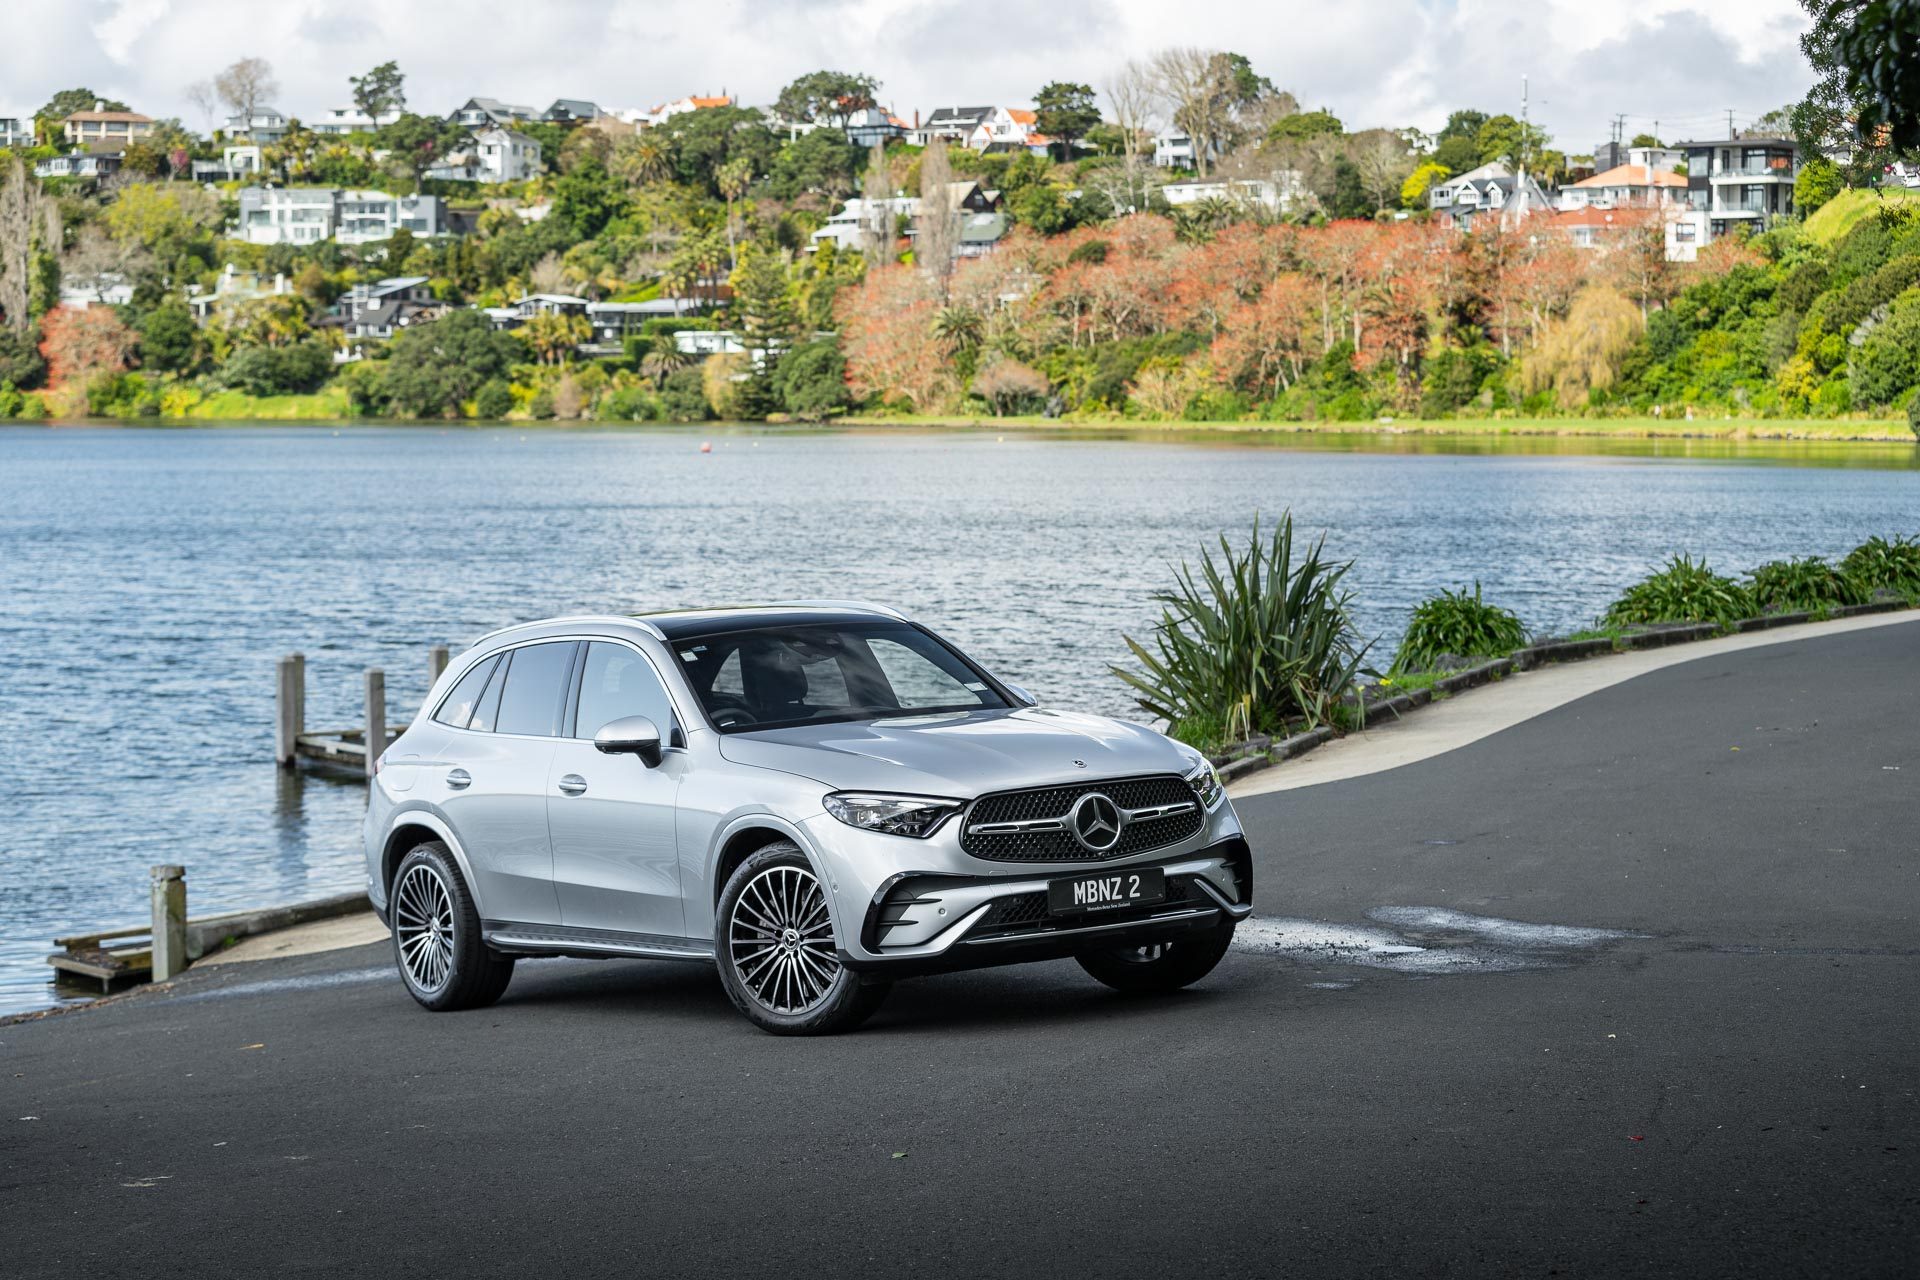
963 755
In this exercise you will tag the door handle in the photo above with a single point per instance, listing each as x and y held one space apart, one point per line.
573 784
459 779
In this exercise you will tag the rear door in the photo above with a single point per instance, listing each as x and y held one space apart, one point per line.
615 858
494 789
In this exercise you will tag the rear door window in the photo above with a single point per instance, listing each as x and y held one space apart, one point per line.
535 689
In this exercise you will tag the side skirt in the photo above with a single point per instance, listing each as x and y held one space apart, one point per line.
563 940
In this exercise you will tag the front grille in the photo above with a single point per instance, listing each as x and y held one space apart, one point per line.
1054 803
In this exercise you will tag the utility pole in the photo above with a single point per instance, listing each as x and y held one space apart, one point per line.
1520 160
1729 124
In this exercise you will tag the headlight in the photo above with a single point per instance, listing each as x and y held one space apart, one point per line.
917 816
1206 784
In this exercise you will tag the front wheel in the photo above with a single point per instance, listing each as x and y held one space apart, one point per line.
436 935
776 951
1160 966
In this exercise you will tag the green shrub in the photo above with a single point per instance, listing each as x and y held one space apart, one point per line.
1809 585
1913 415
1460 624
493 400
627 404
683 396
1685 591
297 369
1886 564
1249 642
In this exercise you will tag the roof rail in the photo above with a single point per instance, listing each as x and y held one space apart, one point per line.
858 606
626 619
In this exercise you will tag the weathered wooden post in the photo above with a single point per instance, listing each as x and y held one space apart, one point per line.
290 705
169 922
376 716
436 663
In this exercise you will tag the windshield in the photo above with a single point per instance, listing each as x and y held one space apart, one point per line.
773 677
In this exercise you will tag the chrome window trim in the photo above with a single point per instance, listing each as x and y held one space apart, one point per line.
672 701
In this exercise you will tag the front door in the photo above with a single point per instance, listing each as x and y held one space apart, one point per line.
616 863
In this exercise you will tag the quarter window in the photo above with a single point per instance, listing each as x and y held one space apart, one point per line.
457 710
534 689
619 682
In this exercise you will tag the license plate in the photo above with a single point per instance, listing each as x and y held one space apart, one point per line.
1107 891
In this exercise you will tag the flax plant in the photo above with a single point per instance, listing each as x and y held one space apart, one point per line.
1249 642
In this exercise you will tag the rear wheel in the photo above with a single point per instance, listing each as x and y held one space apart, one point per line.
436 935
775 947
1161 966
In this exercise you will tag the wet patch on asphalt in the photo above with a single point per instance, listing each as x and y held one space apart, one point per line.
1424 941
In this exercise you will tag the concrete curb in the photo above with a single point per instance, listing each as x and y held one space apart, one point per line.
1261 752
212 933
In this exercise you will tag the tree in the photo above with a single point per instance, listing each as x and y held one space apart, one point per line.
246 86
1644 140
1583 353
1866 57
812 380
200 93
936 230
381 90
876 217
733 179
1201 88
707 139
1818 181
80 344
822 161
554 336
434 368
587 199
169 340
30 239
1009 386
1413 192
1381 160
826 97
643 159
417 143
1511 142
1303 126
1065 111
1131 95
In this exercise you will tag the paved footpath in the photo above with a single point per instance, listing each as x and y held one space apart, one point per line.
1631 988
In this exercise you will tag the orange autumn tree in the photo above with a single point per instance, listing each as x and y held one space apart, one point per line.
888 336
1265 344
81 343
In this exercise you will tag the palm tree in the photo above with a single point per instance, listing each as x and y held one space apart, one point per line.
644 159
554 336
959 329
733 179
663 358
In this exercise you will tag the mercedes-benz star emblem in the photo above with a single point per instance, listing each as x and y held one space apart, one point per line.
1096 821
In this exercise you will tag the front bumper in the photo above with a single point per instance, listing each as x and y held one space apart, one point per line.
980 921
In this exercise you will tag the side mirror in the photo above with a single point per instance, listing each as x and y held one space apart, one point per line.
630 736
1020 692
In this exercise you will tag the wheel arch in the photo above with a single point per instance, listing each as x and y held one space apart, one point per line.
416 826
745 836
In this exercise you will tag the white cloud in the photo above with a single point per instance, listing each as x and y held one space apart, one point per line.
1372 62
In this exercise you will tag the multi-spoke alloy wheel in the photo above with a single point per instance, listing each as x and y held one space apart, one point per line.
781 940
423 926
776 949
436 934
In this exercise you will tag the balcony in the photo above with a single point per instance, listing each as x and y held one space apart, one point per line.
1752 173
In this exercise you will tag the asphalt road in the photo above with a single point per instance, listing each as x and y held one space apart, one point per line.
1733 1092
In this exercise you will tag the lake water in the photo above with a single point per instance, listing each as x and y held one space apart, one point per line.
151 577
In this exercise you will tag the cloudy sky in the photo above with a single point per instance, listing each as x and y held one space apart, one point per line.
1683 63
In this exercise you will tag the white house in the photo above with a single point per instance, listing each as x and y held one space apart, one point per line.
665 111
1272 195
954 124
492 156
262 128
344 120
382 309
233 288
1009 129
1173 149
81 164
237 161
1624 186
364 216
108 289
16 131
309 215
847 228
1490 190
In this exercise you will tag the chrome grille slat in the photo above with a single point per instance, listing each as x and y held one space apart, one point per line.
1031 825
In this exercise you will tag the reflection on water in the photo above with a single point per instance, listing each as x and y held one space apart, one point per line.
150 579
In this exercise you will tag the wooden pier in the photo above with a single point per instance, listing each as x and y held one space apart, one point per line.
337 749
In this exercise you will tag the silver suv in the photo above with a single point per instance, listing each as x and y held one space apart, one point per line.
816 798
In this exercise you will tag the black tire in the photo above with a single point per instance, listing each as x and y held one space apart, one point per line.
1166 966
787 982
453 968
